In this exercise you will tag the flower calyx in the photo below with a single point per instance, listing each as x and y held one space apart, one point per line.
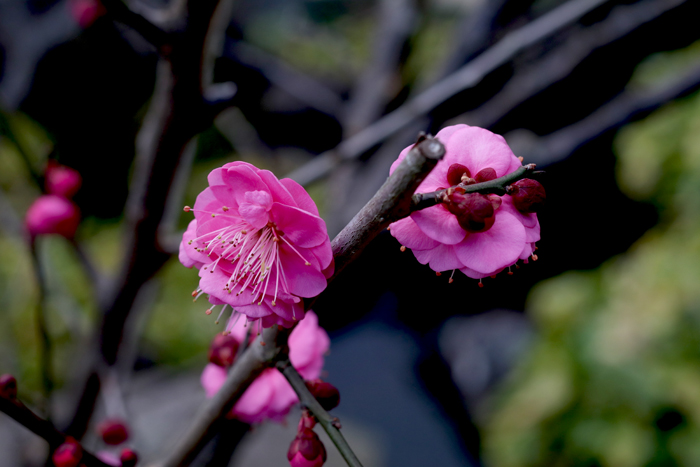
128 458
113 431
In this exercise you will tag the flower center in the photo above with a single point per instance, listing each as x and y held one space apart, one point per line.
254 255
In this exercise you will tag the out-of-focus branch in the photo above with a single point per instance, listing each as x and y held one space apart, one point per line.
629 106
248 366
396 22
559 63
306 89
464 78
121 13
14 408
329 424
179 111
44 338
392 202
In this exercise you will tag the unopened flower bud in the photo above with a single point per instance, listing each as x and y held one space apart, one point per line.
51 214
223 350
128 458
67 454
306 450
113 431
485 175
85 12
325 393
8 387
474 211
528 195
61 180
455 174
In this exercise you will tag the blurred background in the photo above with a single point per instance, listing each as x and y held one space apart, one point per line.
588 357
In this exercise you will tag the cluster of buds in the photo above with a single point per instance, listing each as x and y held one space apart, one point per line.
306 449
114 432
54 212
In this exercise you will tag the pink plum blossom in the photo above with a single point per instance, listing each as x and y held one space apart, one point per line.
61 180
259 244
51 214
479 235
270 396
306 450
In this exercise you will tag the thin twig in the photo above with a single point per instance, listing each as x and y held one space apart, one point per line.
466 77
15 409
329 424
44 338
498 186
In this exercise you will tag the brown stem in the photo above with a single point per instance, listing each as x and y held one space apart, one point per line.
248 366
391 202
329 424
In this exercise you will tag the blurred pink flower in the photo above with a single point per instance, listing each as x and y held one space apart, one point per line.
478 234
109 458
85 12
259 244
62 180
270 396
51 214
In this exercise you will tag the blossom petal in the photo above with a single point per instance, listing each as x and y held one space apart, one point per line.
498 247
439 224
440 258
300 228
529 220
478 149
243 179
253 404
303 281
254 207
279 192
308 342
302 198
212 379
408 234
188 254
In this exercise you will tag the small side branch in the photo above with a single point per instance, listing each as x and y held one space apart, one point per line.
498 186
15 409
42 328
330 424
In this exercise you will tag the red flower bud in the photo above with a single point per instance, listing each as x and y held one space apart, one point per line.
485 175
113 431
51 214
528 195
8 387
61 180
306 450
67 454
325 393
455 173
474 211
128 458
223 350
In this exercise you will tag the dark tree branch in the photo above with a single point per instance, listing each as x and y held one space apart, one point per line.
628 106
329 424
15 409
392 202
247 367
466 77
